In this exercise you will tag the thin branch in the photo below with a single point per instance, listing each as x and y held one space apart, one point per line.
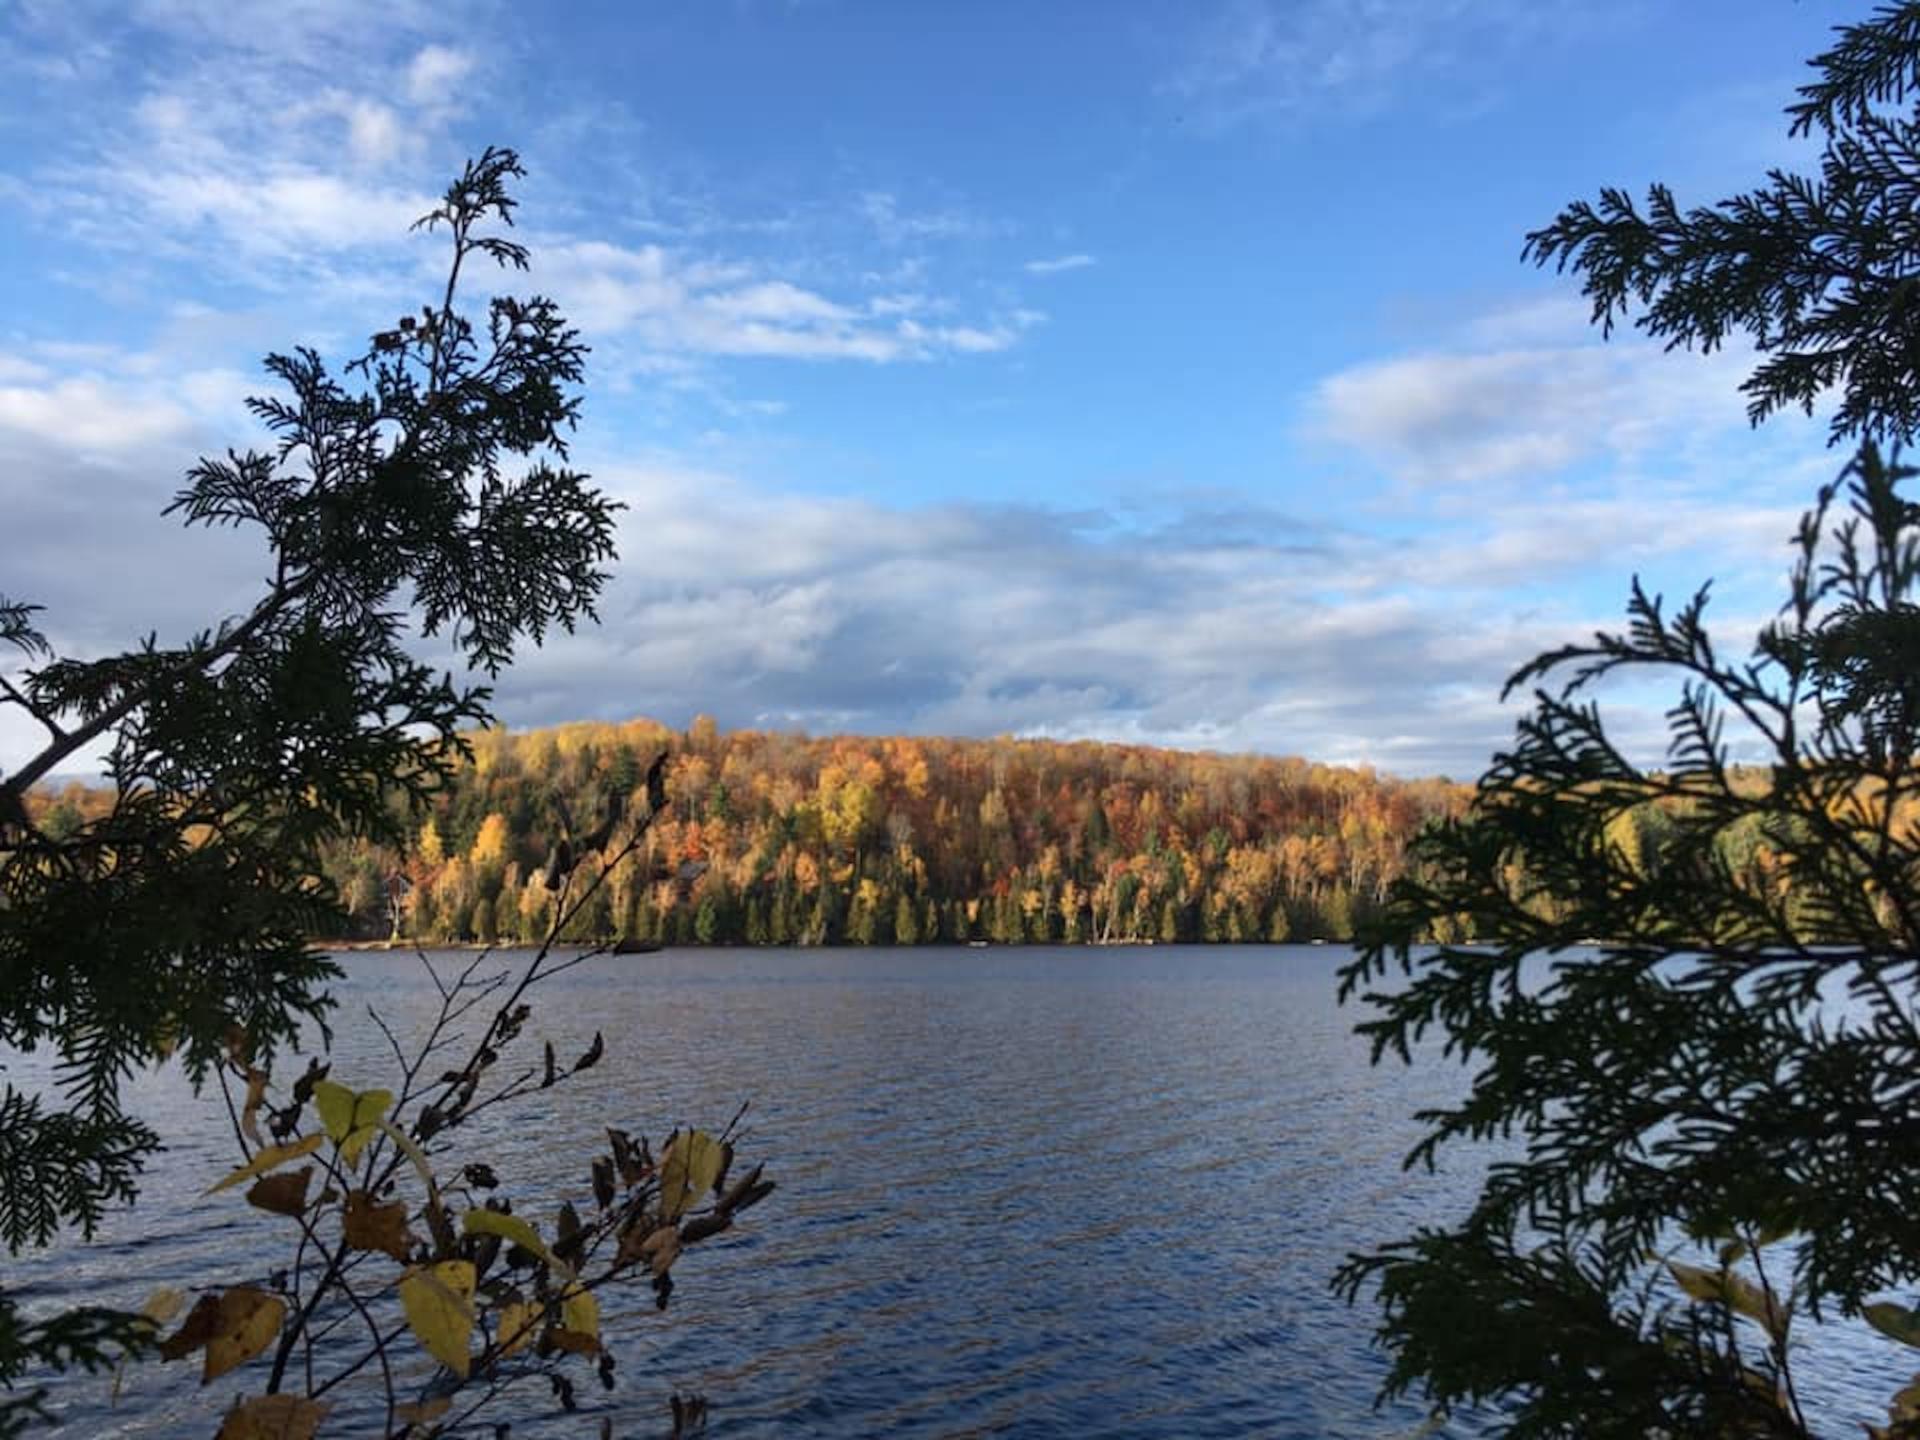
45 717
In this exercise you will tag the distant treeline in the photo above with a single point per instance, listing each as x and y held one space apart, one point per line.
777 839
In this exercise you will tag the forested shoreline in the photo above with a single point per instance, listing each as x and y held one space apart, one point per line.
779 839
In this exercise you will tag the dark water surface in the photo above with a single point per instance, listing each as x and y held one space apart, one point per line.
1031 1192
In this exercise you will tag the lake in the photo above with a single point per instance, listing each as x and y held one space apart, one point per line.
1031 1192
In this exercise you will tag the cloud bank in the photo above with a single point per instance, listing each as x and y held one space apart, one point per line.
1228 626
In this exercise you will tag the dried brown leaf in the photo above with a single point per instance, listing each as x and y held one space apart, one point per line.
423 1412
368 1225
273 1417
591 1055
194 1330
660 1249
283 1194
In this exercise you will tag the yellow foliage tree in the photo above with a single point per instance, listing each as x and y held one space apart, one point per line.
490 845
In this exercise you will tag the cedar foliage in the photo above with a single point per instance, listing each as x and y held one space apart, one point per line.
429 480
1816 271
1707 1118
1732 1066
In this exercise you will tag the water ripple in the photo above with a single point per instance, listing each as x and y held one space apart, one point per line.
1023 1193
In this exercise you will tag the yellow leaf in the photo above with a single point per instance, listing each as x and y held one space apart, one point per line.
273 1417
438 1301
434 1212
412 1151
511 1227
573 1342
1905 1404
423 1412
163 1304
1756 1304
1702 1285
1725 1287
247 1321
1895 1320
516 1325
350 1119
688 1170
270 1158
580 1313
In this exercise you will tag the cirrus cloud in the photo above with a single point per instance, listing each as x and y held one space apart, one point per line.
676 305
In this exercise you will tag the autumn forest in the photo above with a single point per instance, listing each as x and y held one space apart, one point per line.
778 839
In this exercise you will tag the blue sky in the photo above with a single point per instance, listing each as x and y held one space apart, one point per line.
1151 371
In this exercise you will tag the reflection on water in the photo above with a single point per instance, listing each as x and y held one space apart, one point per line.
1028 1192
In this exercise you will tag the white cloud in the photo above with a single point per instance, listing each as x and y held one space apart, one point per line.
896 225
313 32
1453 417
906 304
838 613
676 305
290 213
17 368
1058 263
87 463
91 417
289 158
1539 541
1236 628
375 134
1298 59
256 143
435 71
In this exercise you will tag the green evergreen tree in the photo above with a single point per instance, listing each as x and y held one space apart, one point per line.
423 916
709 919
181 915
1099 830
1814 271
646 920
506 918
906 922
1703 1159
781 929
1336 914
677 925
1279 925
